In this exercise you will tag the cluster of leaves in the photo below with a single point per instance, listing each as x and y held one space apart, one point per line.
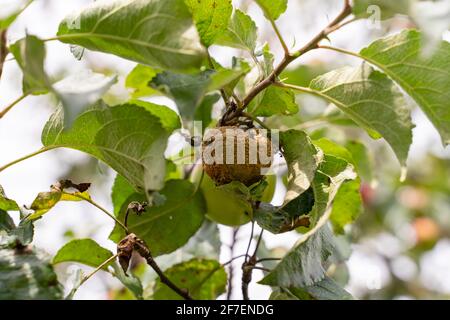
323 177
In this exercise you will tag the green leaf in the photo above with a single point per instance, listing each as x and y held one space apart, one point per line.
187 90
121 191
272 8
26 274
7 204
287 218
182 214
426 80
304 74
347 205
12 236
85 251
387 8
157 33
203 279
7 17
169 119
29 53
129 280
136 152
332 148
6 222
45 201
204 110
138 80
228 78
211 18
373 101
302 159
304 264
273 101
362 159
81 90
241 33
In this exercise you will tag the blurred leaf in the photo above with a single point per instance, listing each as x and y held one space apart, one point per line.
347 205
136 152
362 159
7 204
26 274
241 33
326 289
170 44
29 53
373 101
303 74
272 8
426 80
138 80
187 90
12 236
182 213
433 18
6 222
387 8
85 251
211 18
81 90
205 244
203 279
273 101
77 280
11 15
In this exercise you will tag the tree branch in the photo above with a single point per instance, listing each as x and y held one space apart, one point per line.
248 266
288 58
3 50
14 103
132 242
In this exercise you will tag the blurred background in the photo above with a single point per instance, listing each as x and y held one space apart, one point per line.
400 244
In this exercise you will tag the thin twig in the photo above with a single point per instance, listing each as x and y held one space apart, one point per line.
267 259
13 104
261 268
248 266
144 251
42 150
230 268
250 241
108 261
288 58
280 37
255 119
95 204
